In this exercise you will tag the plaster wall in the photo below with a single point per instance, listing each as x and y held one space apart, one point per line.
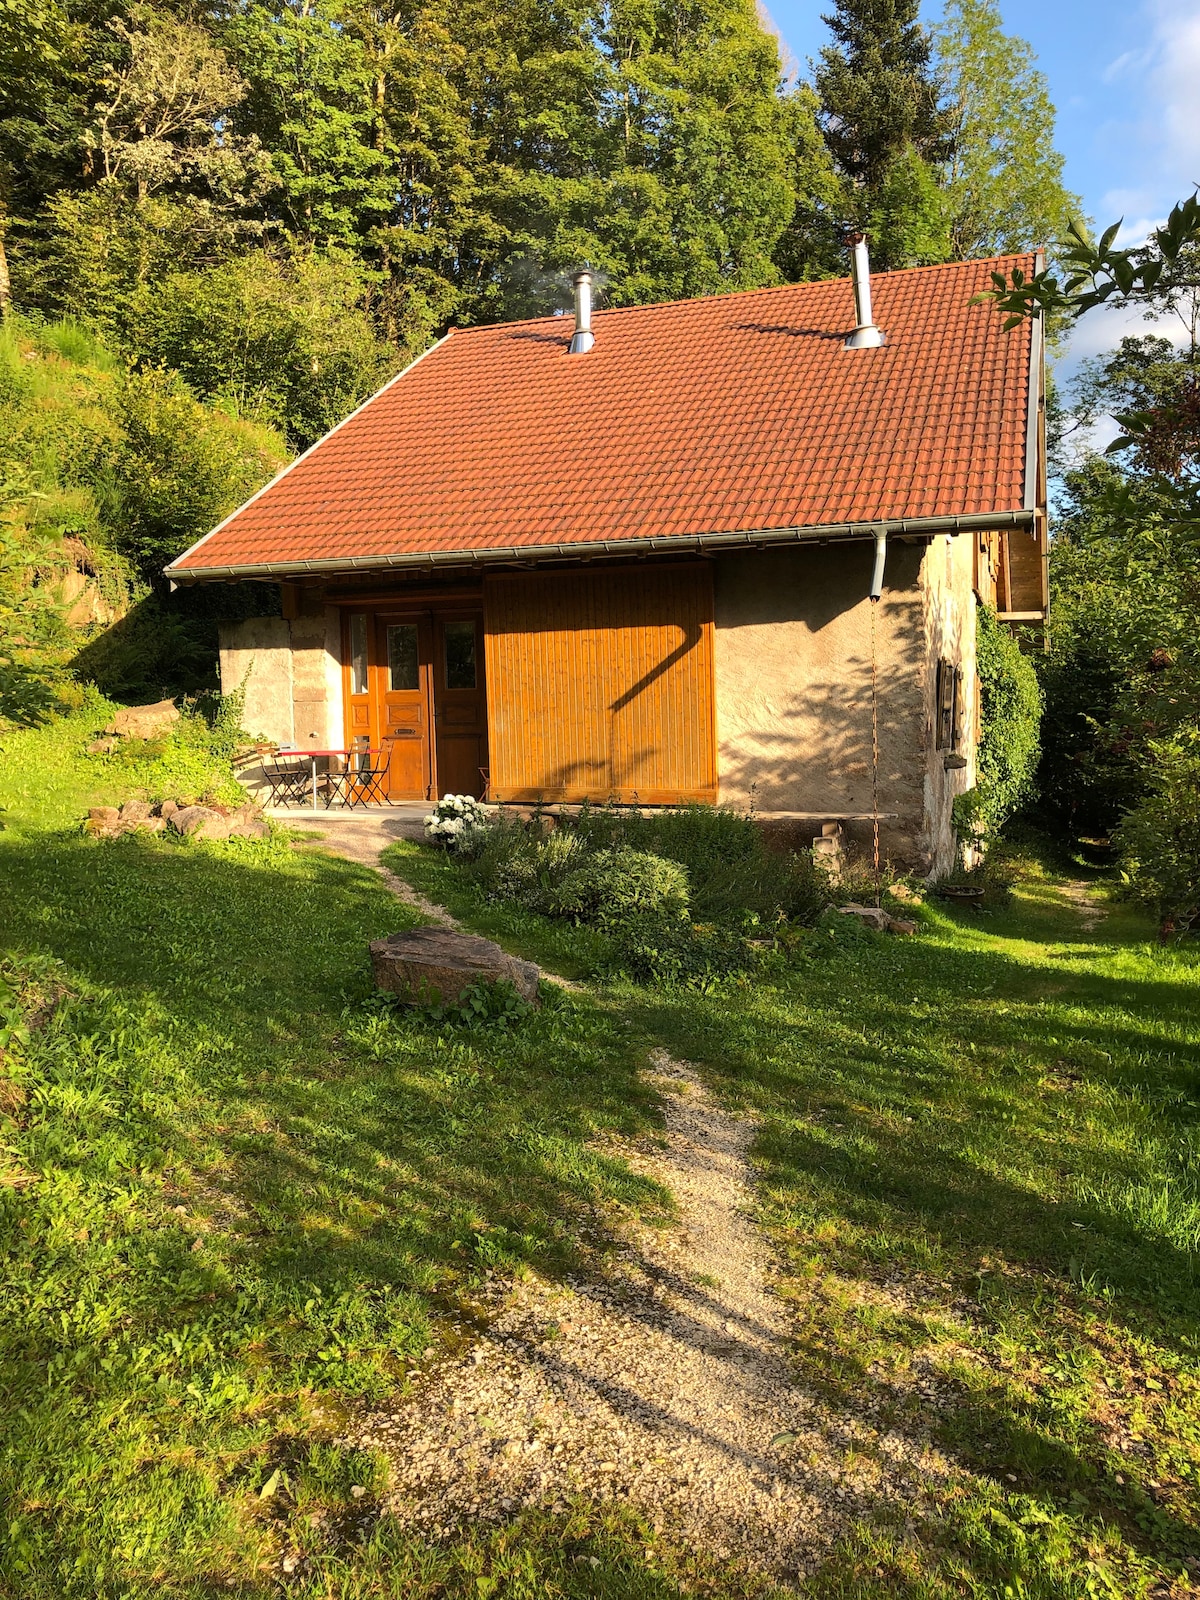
793 666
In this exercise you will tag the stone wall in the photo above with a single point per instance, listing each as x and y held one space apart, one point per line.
793 686
294 687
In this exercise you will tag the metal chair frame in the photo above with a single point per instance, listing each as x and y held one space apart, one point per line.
361 782
290 782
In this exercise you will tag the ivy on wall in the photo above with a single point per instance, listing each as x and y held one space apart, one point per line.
1009 742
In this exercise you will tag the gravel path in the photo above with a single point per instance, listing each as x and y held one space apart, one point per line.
364 838
665 1384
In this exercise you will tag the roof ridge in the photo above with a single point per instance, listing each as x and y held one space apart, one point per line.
746 294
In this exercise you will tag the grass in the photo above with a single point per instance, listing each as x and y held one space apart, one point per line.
237 1201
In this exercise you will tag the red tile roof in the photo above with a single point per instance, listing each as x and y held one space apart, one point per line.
741 412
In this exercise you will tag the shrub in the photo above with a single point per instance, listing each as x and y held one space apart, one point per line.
1011 714
660 948
1160 837
455 821
612 883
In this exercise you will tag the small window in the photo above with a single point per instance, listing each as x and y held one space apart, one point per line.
358 655
949 696
404 659
460 655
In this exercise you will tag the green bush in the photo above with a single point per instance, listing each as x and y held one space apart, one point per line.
612 883
1159 837
682 896
1011 714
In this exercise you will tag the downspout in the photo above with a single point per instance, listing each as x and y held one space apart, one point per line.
880 560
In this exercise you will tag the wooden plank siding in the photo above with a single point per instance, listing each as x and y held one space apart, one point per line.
600 685
1027 564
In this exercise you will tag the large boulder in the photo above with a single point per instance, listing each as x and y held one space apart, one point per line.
144 722
200 822
441 963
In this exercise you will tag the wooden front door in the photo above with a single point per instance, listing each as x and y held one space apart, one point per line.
459 703
404 649
414 686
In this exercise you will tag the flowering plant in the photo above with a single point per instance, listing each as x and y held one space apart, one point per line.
455 819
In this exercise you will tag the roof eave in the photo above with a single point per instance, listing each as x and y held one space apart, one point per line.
672 544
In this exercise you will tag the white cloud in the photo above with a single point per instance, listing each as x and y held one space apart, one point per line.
1175 74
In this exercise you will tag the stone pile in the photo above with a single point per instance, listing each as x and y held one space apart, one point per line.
193 821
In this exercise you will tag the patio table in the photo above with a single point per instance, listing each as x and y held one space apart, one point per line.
314 756
348 776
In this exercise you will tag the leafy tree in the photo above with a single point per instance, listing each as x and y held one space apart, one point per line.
282 339
1004 178
181 469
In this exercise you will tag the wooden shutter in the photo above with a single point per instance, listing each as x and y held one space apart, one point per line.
600 685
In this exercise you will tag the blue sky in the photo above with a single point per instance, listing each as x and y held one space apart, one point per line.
1126 81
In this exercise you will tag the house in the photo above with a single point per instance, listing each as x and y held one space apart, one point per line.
631 555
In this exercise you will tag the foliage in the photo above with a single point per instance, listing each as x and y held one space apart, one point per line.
883 122
457 821
106 474
689 896
1010 717
182 468
1160 835
1160 273
1003 184
480 1005
33 633
617 883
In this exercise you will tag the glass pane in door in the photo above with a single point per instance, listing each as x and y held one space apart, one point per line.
460 655
358 655
404 659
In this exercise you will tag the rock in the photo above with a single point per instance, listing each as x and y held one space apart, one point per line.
445 962
200 822
143 722
250 828
869 916
901 925
135 811
906 893
105 816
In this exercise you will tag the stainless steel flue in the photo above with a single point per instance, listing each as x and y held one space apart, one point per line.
583 338
866 336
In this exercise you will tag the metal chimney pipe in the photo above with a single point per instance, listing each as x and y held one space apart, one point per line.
583 338
866 335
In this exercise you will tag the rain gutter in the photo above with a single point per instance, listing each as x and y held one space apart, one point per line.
674 544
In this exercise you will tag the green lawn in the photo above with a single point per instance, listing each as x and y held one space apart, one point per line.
236 1199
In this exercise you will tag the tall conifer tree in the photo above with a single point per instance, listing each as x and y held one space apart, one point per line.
885 127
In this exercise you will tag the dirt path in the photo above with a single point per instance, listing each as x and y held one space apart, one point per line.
1080 897
363 839
665 1384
